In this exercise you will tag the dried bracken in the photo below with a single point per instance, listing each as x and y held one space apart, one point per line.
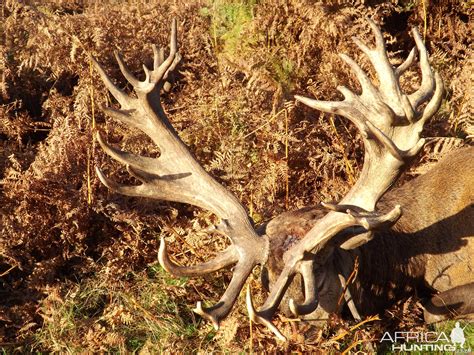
67 243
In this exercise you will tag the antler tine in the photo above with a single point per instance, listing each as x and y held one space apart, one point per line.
434 104
306 269
390 78
427 76
222 308
407 63
390 89
176 176
126 72
124 116
227 258
158 56
259 318
390 127
150 165
123 99
163 68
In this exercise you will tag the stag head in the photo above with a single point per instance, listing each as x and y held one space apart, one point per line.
390 123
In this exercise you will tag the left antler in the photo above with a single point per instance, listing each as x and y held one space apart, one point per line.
176 176
390 123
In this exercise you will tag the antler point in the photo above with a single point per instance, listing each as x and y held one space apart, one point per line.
200 310
293 308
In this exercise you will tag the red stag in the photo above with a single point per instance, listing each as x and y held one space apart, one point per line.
416 238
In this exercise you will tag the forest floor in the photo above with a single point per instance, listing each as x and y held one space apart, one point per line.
78 264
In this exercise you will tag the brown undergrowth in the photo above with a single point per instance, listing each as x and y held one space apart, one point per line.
78 264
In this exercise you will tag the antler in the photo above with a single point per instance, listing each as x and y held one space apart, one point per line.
390 123
176 176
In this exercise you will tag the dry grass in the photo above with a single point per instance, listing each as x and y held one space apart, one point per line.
76 262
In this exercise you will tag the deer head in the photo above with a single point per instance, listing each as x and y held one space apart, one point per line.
390 123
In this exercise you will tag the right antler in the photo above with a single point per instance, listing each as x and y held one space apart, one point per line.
390 123
176 176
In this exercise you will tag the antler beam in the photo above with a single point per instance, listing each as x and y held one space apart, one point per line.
176 176
390 123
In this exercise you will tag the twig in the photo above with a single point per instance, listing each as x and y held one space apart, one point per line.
6 272
351 329
351 278
287 182
266 123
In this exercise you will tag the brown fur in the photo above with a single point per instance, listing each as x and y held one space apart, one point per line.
428 251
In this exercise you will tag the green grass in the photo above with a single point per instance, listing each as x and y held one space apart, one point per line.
468 331
146 311
235 39
229 22
284 72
